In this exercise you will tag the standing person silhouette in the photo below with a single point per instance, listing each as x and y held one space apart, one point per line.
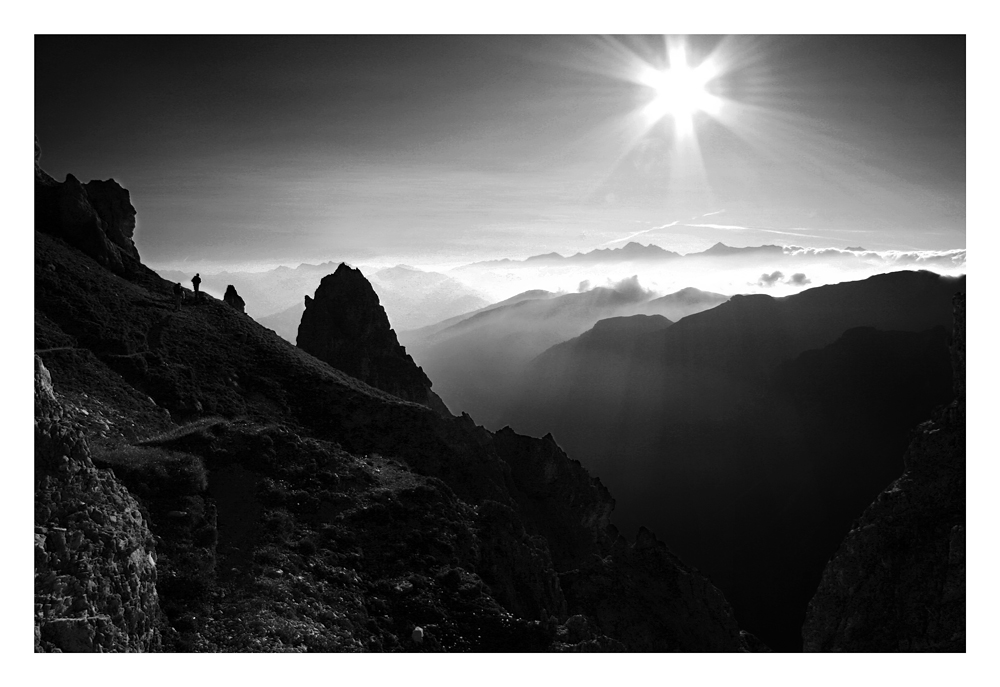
178 292
196 280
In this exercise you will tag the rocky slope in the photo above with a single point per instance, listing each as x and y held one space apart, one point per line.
345 325
95 559
291 507
897 583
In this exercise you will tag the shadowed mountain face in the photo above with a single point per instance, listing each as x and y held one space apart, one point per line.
289 506
476 363
897 582
753 433
344 325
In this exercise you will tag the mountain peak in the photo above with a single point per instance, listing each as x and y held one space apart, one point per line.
720 249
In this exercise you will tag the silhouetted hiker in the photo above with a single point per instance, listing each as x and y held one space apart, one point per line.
196 280
178 292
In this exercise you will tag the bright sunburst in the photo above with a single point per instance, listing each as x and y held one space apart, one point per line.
681 90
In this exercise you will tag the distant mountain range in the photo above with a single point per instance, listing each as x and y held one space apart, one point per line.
632 251
474 359
426 333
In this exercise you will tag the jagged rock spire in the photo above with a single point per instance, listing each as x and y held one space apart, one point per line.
345 325
232 298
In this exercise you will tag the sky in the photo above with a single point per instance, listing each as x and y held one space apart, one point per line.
249 150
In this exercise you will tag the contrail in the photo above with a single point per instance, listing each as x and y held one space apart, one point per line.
639 233
792 233
721 226
737 227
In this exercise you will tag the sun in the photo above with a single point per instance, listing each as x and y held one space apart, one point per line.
681 91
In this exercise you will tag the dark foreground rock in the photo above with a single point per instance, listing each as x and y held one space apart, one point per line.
898 581
620 589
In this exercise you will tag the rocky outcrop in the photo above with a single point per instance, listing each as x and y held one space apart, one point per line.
113 206
97 217
95 563
570 508
345 325
233 299
898 581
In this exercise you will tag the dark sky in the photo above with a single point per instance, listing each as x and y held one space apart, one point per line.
425 148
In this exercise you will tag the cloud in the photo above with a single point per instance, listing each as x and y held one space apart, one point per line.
631 289
770 279
949 258
778 277
954 258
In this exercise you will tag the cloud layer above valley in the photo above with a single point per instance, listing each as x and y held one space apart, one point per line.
776 270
